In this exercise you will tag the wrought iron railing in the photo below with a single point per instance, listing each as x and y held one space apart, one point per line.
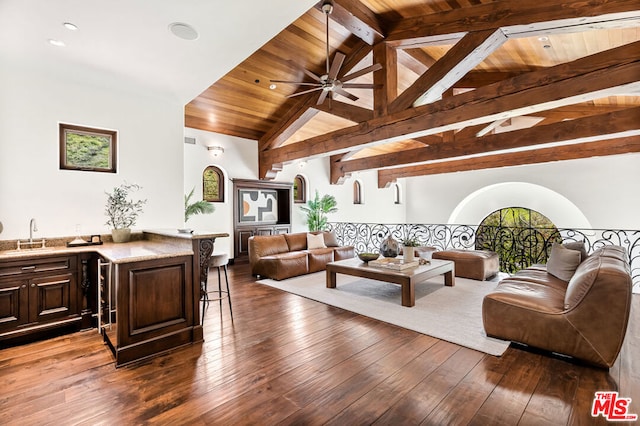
518 247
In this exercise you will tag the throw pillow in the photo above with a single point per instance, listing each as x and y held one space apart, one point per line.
330 239
563 262
315 241
579 246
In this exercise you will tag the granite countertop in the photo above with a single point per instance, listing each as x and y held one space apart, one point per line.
172 244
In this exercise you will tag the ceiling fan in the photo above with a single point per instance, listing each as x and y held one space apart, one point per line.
328 83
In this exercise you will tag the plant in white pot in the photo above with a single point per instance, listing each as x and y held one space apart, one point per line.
122 211
194 208
409 245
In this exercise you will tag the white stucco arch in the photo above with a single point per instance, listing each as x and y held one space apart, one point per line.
479 204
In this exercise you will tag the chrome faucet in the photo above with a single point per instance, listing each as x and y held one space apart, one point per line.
32 228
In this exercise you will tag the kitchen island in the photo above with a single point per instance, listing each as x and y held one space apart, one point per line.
147 291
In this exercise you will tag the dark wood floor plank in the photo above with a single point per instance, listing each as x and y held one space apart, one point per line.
375 402
418 404
286 359
510 397
551 401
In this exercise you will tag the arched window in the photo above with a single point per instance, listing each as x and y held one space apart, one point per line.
396 193
519 235
299 189
357 192
213 185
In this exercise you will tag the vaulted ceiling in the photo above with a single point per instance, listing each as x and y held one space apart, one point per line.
463 85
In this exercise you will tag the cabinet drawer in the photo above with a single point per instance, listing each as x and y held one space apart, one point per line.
38 264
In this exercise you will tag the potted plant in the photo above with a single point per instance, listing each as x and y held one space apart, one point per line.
408 251
122 211
317 210
194 208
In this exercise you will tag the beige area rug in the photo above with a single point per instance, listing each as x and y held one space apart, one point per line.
453 314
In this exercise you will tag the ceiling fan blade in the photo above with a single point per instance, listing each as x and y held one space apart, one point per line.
322 97
361 86
304 92
301 83
304 70
363 71
338 59
344 93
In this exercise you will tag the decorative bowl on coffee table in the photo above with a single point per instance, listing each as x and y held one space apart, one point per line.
366 257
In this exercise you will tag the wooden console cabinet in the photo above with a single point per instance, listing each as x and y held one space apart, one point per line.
38 294
247 224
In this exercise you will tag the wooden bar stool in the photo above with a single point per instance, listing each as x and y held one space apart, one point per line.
218 260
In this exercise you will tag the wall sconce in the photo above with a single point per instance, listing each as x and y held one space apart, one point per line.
216 150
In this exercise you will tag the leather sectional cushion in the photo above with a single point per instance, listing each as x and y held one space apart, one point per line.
296 241
343 252
284 265
318 258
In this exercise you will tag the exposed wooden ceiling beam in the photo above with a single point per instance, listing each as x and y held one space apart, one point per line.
608 125
460 59
350 112
358 19
386 78
584 79
525 18
618 146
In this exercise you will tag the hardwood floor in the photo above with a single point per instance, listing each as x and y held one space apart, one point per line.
289 360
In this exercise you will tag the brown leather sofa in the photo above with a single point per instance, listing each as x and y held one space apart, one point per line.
585 318
286 255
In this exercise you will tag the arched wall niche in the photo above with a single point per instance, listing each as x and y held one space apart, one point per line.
479 204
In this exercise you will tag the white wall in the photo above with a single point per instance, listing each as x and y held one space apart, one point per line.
239 161
604 189
150 140
378 204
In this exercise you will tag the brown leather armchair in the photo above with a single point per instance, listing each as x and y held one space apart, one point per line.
585 318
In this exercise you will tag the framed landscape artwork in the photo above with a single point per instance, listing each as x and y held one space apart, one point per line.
87 148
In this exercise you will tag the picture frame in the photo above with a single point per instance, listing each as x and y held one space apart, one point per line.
87 148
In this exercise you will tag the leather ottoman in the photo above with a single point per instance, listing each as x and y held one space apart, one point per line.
473 264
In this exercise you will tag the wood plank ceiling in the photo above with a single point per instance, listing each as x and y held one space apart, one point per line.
464 85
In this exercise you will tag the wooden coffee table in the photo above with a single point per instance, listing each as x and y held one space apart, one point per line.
407 278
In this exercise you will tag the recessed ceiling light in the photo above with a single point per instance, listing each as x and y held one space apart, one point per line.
272 86
70 26
58 43
543 38
184 31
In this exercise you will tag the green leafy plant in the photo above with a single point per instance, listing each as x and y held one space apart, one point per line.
197 207
122 211
410 242
317 210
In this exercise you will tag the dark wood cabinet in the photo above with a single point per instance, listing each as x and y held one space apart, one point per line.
260 208
154 307
38 294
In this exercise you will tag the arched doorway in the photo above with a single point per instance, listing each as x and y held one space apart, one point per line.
521 237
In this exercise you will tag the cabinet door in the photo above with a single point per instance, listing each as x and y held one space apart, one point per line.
14 304
52 297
